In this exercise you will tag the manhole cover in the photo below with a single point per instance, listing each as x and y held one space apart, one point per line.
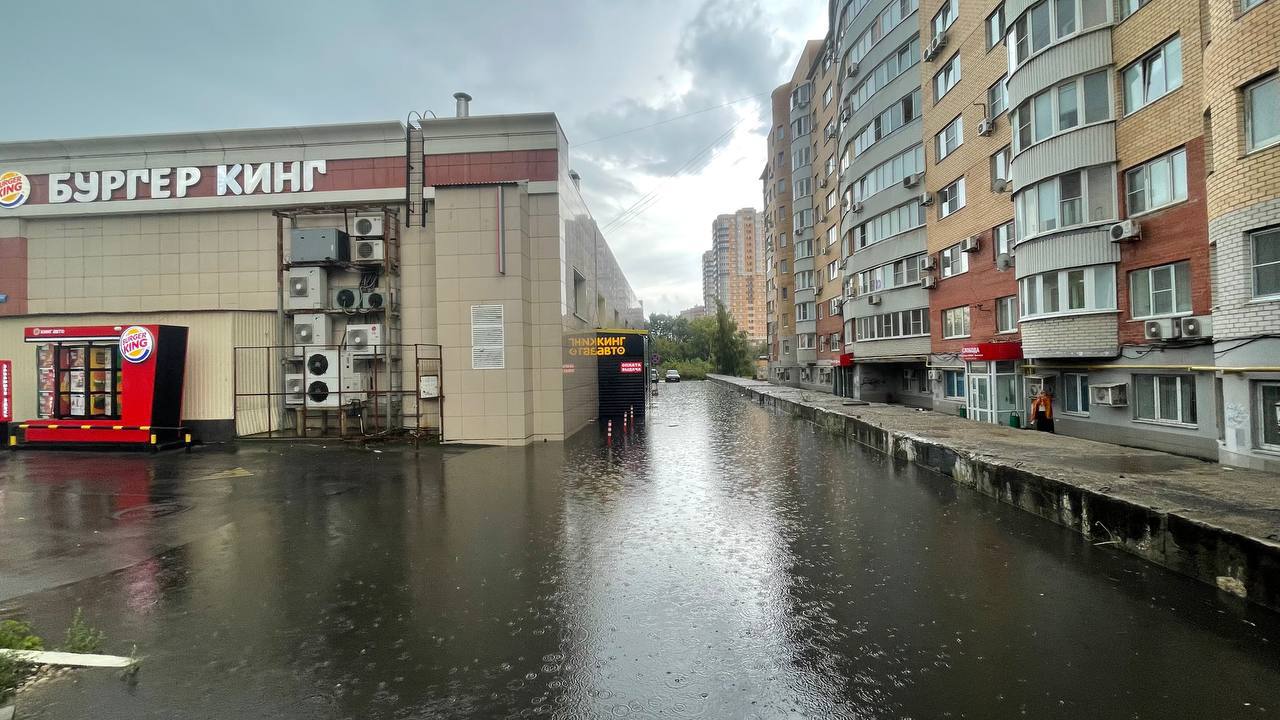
151 510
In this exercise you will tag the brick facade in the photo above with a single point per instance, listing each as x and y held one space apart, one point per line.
13 275
1070 336
1236 313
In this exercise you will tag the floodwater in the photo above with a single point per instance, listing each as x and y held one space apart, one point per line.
724 562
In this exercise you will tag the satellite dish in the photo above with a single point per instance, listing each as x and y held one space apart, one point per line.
1004 261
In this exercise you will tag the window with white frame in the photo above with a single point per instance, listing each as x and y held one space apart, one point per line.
1068 292
1007 314
998 97
1167 399
1075 393
1000 167
801 157
1153 76
803 187
831 164
1246 5
1003 236
904 323
887 224
1129 7
1266 263
804 341
804 249
889 18
834 307
955 322
946 78
889 173
952 261
802 125
804 311
1268 414
900 273
1262 113
945 17
782 186
897 63
951 197
833 234
995 27
828 94
831 200
1061 202
1156 183
1079 101
949 138
848 331
904 111
1047 22
804 280
781 132
915 379
953 384
1160 291
833 270
802 218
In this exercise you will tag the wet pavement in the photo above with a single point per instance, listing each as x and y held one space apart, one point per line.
724 563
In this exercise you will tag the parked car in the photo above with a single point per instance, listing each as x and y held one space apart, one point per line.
673 375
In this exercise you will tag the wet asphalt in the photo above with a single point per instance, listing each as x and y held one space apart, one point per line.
722 562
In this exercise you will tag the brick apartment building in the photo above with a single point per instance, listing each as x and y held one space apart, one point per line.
733 270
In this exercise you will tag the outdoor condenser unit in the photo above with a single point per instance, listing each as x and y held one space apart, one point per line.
363 340
305 288
318 245
309 330
295 387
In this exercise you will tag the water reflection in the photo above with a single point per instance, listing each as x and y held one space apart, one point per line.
721 562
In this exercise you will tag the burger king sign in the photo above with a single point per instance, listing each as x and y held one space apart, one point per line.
15 188
136 344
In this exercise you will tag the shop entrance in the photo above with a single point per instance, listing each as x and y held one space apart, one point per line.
995 391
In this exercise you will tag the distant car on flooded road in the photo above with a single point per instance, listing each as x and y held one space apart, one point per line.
673 376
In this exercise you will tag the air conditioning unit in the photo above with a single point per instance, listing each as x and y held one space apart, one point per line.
969 244
935 374
1201 326
331 391
305 288
822 218
318 245
857 207
1004 261
822 182
1109 395
938 42
928 282
364 250
926 199
1000 185
986 126
367 226
799 231
846 115
1125 230
364 340
346 298
1041 383
309 330
930 262
873 299
295 389
911 180
851 70
831 132
1162 329
379 299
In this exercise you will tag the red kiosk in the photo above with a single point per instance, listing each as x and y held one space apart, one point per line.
108 384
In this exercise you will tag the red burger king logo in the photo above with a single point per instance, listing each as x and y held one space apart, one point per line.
15 188
136 344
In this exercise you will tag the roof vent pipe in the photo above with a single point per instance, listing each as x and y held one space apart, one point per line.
464 104
576 178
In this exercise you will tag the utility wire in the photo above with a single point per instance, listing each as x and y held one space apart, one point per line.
669 120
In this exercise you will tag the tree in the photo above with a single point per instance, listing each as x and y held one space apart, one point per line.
730 353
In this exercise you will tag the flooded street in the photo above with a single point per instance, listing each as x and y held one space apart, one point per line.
700 569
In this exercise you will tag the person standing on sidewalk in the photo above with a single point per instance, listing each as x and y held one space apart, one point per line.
1042 411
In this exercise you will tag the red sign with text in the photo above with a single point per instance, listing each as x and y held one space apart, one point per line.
992 351
6 390
632 367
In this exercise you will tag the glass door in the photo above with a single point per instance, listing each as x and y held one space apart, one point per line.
980 398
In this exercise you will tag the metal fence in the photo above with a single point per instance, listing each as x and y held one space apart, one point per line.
289 392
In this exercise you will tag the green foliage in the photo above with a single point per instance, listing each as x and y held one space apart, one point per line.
702 345
82 637
15 635
688 369
730 352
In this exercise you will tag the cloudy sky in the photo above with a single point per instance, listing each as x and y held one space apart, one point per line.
86 67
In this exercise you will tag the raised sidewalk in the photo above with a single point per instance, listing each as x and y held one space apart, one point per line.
1218 524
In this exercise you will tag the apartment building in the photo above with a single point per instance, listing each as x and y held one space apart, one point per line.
710 279
828 271
882 227
739 269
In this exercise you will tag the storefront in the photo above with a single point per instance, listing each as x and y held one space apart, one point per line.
994 390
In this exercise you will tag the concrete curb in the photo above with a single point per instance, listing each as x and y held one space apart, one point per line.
1236 563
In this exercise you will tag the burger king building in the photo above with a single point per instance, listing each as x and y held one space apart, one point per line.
446 267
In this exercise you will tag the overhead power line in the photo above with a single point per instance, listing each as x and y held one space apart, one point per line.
670 120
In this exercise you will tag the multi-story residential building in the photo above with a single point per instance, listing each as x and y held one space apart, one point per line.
1241 115
733 270
695 312
710 282
976 358
828 274
886 311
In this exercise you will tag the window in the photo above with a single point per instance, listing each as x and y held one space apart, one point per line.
951 198
1157 183
803 187
1161 291
802 125
1262 113
1007 314
904 323
906 109
804 341
1246 5
804 249
1040 25
1153 76
995 27
801 157
945 17
1268 422
579 295
953 384
900 273
782 186
998 97
1000 169
781 132
833 234
833 270
1266 263
888 19
915 379
1058 109
1060 202
953 261
1129 7
803 219
1073 291
801 95
950 138
1167 399
1075 393
955 322
804 280
887 224
804 311
946 78
889 173
897 63
830 202
784 269
828 94
1003 235
834 308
